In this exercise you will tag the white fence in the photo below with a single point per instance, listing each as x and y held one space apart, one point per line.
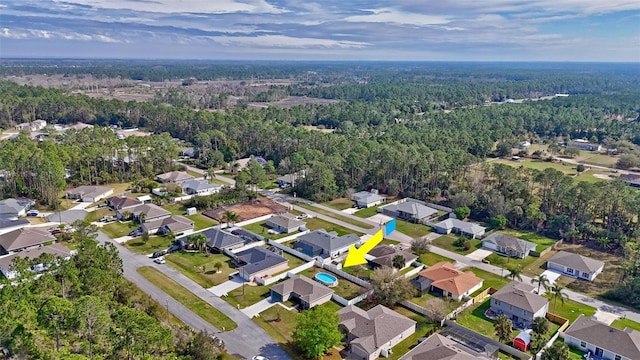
291 237
254 220
248 246
343 274
417 268
284 275
291 251
344 302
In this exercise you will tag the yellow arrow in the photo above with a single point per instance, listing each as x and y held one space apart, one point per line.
356 255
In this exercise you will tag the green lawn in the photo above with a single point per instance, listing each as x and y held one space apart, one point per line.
152 245
207 312
507 262
247 297
99 214
345 288
412 229
201 222
422 329
446 242
261 229
175 209
368 212
190 264
315 224
119 229
542 242
490 279
474 319
431 259
342 218
570 309
574 353
428 297
625 323
339 203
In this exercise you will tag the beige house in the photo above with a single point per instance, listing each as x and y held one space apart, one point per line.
307 292
258 262
371 334
174 177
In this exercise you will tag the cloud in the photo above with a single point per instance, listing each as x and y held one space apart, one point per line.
282 41
173 6
390 15
47 34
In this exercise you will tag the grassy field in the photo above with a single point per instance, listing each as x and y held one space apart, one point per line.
188 299
199 221
598 159
446 242
490 279
368 212
569 309
119 229
281 330
152 245
190 264
339 203
570 170
315 224
625 323
431 259
412 229
345 288
99 214
342 218
261 229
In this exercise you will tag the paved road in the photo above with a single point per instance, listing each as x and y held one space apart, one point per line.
247 340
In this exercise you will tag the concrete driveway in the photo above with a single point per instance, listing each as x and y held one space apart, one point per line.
551 275
379 218
479 254
224 288
255 309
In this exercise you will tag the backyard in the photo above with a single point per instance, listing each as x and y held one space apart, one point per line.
315 224
261 229
191 265
188 299
412 229
345 288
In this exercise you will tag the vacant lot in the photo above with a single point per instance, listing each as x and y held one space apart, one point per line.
119 229
201 268
339 203
188 299
248 209
569 309
446 242
431 259
342 218
490 279
315 224
412 229
261 229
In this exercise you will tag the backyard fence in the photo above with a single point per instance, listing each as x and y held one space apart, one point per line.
347 276
344 302
479 338
291 251
248 246
273 279
290 237
254 220
555 319
486 292
417 268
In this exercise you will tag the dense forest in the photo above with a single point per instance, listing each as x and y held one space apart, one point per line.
84 308
406 132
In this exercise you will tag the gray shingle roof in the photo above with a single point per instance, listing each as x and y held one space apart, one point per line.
88 191
578 262
521 296
328 241
25 237
512 242
57 250
622 342
121 202
374 328
306 289
198 185
438 347
367 197
220 239
6 223
175 223
384 255
285 220
465 226
417 210
258 259
14 206
150 210
174 176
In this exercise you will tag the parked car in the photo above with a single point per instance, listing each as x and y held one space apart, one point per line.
108 218
258 357
136 232
158 254
33 213
56 231
159 260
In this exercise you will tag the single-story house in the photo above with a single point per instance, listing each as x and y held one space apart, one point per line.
467 228
366 199
603 341
383 256
89 193
508 245
632 180
174 177
57 250
219 239
289 180
443 278
7 225
371 334
188 152
409 209
173 224
438 347
258 262
122 202
199 187
324 244
284 223
306 291
244 163
575 265
151 212
584 145
24 238
15 207
519 303
32 126
523 145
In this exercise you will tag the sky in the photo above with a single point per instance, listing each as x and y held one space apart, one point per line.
409 30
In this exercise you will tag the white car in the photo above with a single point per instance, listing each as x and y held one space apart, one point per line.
258 357
159 260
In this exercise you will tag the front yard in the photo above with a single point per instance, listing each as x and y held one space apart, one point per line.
191 265
625 323
119 229
339 203
431 259
155 243
366 213
248 296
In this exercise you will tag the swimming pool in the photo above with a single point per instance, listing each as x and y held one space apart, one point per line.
326 279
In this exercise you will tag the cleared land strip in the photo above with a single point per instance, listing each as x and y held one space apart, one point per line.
188 299
346 219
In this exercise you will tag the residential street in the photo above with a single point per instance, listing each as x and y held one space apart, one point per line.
246 341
